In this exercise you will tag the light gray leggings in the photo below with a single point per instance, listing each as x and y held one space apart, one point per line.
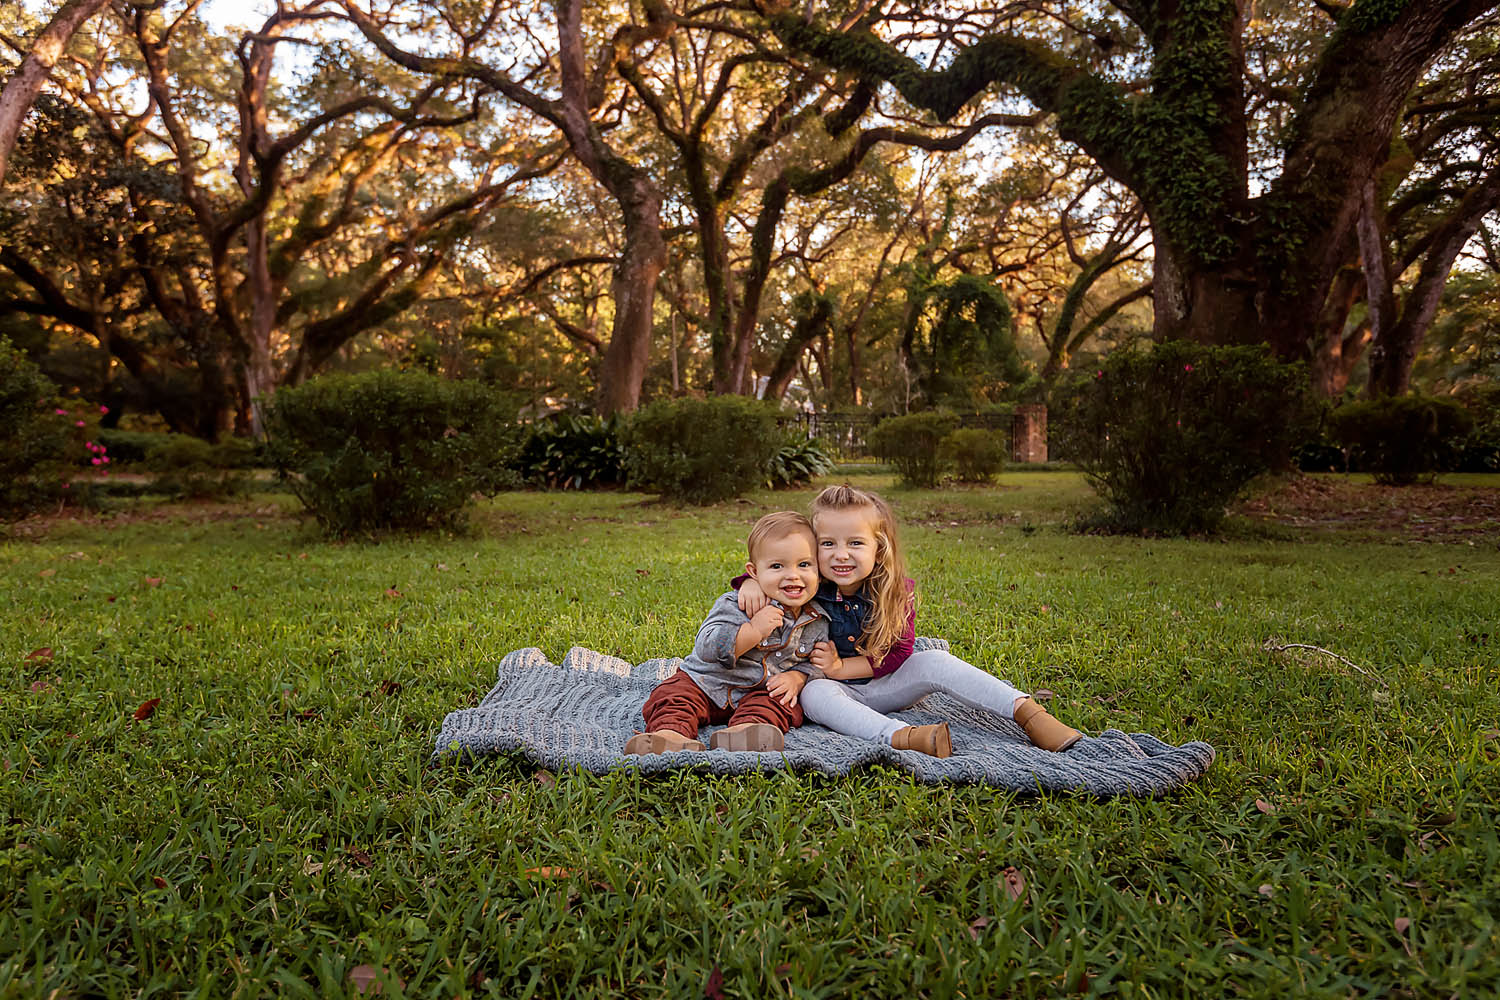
856 709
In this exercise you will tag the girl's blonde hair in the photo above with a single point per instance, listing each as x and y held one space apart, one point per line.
891 601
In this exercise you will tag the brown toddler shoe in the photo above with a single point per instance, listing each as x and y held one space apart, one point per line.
758 736
661 741
1042 729
934 741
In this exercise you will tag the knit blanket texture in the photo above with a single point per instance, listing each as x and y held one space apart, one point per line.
579 713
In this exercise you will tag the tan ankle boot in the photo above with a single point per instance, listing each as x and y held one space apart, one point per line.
1042 729
934 741
661 741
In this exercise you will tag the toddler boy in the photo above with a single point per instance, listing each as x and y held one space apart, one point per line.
747 671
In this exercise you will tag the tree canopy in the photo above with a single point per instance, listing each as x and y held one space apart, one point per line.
893 204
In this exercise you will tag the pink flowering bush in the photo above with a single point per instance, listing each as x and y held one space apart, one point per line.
1168 437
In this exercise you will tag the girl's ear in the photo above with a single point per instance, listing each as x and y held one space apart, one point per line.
750 571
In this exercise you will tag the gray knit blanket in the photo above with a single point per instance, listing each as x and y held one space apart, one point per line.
579 713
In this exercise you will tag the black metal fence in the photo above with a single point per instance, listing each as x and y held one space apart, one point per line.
843 434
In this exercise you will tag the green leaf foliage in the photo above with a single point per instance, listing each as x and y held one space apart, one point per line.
573 451
33 440
798 462
701 451
911 445
1168 437
192 468
385 450
1402 439
977 455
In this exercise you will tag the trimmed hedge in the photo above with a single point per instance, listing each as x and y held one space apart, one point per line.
185 466
701 451
387 450
976 455
1169 437
1402 439
912 444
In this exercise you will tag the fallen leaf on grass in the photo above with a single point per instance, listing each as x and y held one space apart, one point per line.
158 881
45 653
307 715
548 871
359 857
147 709
782 969
392 592
1266 890
1014 883
1041 696
389 687
809 853
544 779
368 979
47 572
153 581
37 687
1401 924
714 988
976 929
1264 806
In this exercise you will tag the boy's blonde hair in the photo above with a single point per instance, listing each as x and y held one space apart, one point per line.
891 602
778 525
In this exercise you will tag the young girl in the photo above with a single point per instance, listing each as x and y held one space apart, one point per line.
869 668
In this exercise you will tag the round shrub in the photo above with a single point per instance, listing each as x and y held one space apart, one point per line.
573 451
129 447
701 450
976 455
1169 437
34 440
1401 439
390 450
184 466
912 445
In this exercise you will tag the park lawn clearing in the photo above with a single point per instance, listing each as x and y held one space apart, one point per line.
270 827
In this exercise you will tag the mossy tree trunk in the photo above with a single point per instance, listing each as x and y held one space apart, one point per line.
1229 267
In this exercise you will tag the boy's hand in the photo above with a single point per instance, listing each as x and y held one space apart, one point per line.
825 657
751 598
785 687
767 620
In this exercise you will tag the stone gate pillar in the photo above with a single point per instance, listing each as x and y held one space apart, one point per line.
1028 433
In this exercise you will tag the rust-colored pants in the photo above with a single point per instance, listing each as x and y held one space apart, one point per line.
681 706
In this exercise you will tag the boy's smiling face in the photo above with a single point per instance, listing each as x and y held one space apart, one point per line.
786 568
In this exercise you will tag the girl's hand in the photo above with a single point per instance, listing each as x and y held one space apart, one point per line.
825 657
752 598
785 687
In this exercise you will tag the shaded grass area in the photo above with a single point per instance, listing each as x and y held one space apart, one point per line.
274 825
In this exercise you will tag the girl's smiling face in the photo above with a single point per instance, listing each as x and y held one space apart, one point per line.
846 546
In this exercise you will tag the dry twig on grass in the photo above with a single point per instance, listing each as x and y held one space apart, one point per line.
1271 646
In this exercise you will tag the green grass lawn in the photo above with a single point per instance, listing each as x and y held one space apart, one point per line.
274 825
